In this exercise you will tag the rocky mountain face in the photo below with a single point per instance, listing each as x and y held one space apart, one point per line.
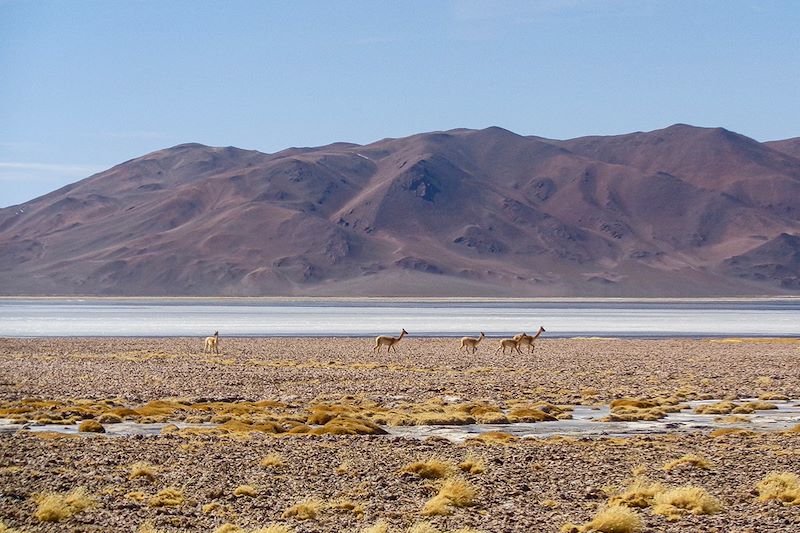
682 211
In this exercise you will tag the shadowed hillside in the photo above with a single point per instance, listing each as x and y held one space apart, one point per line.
682 211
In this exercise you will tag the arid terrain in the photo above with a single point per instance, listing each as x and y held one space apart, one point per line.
680 211
289 435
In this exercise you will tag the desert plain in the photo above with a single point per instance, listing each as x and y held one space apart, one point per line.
296 435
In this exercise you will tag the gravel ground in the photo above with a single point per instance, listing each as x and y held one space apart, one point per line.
528 485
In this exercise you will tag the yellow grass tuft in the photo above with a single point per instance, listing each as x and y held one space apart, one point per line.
274 528
689 460
169 497
772 396
378 527
437 506
137 496
142 469
472 465
732 419
8 529
349 506
54 507
272 460
91 426
634 403
431 469
721 432
719 408
610 520
680 501
229 528
640 493
305 510
245 490
424 527
781 486
492 437
109 418
148 527
525 414
459 491
454 492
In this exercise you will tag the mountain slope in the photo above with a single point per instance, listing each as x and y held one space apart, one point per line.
675 212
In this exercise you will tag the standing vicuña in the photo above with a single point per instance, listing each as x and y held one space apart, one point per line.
388 341
508 343
471 342
527 339
212 343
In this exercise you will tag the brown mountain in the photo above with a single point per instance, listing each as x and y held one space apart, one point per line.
681 211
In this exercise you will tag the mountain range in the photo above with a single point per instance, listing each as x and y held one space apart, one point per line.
680 211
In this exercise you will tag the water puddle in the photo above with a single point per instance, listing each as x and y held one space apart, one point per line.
584 423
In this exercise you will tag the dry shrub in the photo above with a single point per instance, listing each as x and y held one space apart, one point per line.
689 460
272 460
781 486
677 502
91 426
245 490
142 469
431 469
306 510
169 497
54 507
612 519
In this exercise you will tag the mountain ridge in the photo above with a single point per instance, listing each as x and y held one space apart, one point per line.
680 211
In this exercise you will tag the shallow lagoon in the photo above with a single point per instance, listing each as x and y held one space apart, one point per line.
363 317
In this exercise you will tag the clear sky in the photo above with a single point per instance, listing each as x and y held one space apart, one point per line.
88 84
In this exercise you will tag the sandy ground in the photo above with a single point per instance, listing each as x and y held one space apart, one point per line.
527 485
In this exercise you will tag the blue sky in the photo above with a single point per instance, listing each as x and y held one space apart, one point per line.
88 84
